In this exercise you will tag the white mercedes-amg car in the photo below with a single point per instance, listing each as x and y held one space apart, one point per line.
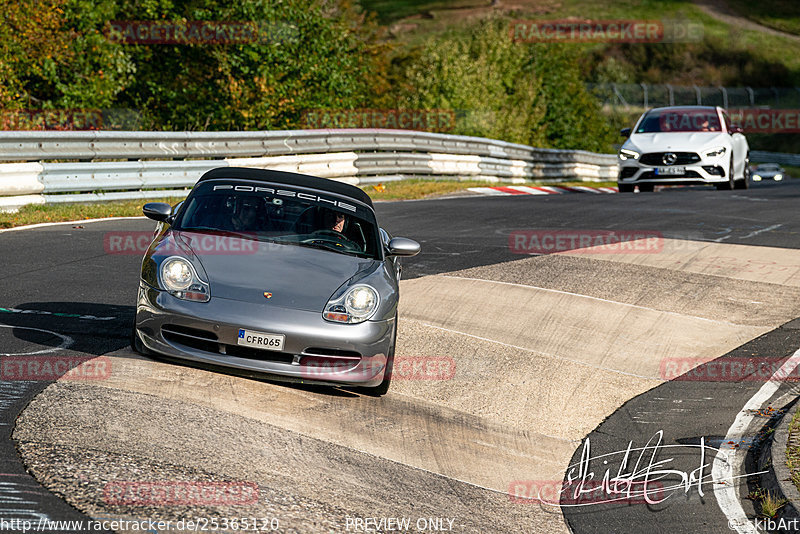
683 145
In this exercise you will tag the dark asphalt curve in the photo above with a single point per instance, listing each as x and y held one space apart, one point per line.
684 410
63 293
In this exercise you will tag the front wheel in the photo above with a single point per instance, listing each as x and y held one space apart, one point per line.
625 188
730 184
744 183
383 388
136 343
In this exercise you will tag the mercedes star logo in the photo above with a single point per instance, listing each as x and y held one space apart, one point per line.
669 158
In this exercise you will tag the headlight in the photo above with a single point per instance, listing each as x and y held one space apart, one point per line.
756 178
714 152
356 305
625 154
180 279
779 176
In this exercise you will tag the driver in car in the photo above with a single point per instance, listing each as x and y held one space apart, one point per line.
334 221
247 218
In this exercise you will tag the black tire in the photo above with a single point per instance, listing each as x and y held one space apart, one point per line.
730 184
625 188
136 343
383 388
744 183
646 188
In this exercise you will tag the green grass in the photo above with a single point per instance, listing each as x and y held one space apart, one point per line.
417 189
782 15
389 11
43 213
418 20
402 190
771 504
793 451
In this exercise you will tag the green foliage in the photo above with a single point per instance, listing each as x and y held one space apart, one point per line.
706 62
57 54
779 14
310 56
524 93
32 40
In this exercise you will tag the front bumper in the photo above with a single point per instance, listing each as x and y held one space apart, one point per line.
314 350
704 172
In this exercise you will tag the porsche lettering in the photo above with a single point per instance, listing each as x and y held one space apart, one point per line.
285 193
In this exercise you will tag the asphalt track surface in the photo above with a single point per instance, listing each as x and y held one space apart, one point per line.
79 300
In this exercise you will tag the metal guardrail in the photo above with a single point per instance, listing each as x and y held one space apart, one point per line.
103 145
47 166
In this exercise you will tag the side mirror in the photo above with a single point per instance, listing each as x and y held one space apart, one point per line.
158 211
625 132
401 246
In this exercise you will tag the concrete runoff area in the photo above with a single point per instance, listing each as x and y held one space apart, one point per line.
543 353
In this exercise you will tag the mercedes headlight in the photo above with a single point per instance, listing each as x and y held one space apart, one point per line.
714 152
625 154
356 305
756 178
779 176
180 279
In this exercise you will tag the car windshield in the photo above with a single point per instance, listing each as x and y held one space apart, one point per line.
281 215
768 167
680 120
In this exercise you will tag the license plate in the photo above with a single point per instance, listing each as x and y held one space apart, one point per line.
670 171
260 340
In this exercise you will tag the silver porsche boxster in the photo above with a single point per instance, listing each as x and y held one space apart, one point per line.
273 273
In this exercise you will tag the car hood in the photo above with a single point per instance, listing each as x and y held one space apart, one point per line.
294 277
677 141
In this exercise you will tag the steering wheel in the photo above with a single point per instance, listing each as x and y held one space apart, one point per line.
337 238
